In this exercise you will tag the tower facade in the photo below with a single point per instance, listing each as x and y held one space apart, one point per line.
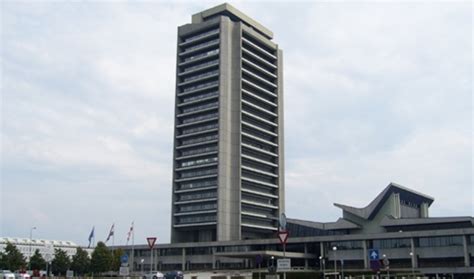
228 165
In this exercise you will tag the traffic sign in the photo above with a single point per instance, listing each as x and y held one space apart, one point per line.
151 241
374 254
283 265
283 236
258 259
124 258
124 271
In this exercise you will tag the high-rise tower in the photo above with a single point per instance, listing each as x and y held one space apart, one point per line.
228 171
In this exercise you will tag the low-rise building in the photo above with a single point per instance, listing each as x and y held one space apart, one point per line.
395 226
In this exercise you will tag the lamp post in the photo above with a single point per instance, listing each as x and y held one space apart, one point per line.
29 256
412 255
141 262
386 264
273 264
322 264
334 248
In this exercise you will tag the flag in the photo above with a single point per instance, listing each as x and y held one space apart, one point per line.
91 236
130 232
111 233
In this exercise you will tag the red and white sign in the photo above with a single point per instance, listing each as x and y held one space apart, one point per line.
283 236
151 241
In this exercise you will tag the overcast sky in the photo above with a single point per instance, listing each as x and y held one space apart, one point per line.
374 92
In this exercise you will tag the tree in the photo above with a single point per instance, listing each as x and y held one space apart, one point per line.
101 258
3 261
37 261
14 258
81 262
61 262
116 262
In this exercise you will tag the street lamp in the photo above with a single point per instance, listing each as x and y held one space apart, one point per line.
322 263
29 256
141 262
334 248
412 255
386 264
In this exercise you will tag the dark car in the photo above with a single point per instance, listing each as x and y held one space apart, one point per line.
174 275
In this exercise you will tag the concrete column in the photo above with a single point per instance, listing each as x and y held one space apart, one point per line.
183 259
213 257
366 260
321 249
467 259
306 252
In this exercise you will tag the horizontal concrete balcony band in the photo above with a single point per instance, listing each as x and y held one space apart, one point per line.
250 157
260 99
194 201
199 79
246 33
195 224
200 39
197 122
214 107
259 129
260 50
204 57
197 155
204 45
250 114
195 189
257 67
198 90
197 166
260 59
259 78
252 169
258 88
200 67
197 177
254 203
254 214
259 227
259 182
197 133
197 144
262 114
195 212
259 139
260 150
198 100
259 193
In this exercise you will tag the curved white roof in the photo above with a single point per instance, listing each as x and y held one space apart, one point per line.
26 241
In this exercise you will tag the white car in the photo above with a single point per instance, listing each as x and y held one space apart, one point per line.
6 274
154 275
22 276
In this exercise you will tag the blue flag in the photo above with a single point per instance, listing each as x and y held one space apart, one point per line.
91 235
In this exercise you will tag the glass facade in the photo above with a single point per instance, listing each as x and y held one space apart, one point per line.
440 241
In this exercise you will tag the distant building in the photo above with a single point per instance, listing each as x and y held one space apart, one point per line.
228 171
46 247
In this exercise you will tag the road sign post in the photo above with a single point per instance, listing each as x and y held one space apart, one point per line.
283 236
151 243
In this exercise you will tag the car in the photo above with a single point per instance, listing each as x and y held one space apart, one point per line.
154 275
174 275
22 276
6 274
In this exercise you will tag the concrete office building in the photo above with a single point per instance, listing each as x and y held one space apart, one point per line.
228 166
228 178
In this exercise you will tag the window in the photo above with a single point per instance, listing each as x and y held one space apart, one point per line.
440 241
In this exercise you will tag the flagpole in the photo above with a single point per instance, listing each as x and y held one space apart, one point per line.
133 245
